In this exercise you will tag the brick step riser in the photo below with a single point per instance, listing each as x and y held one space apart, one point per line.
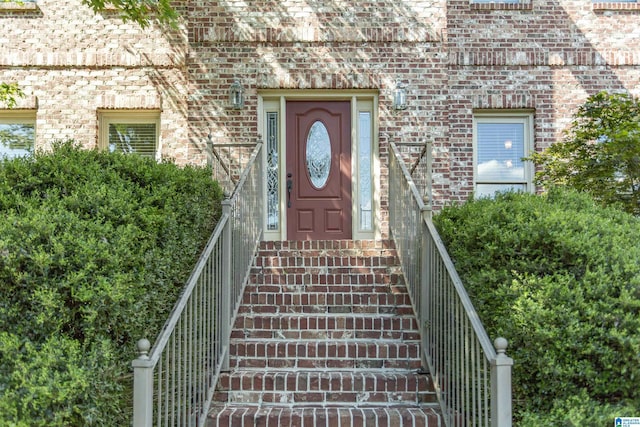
326 335
326 263
291 278
321 298
323 350
323 270
326 309
290 389
338 322
317 363
324 382
298 290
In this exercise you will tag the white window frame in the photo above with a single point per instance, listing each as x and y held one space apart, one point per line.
524 117
12 117
128 117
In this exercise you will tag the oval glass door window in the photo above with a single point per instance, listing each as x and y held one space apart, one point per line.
318 154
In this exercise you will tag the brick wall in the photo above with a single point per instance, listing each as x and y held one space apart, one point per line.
547 56
71 63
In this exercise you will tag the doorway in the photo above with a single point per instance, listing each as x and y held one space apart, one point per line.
322 165
318 151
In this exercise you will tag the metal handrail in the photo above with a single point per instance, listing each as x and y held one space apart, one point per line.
472 379
174 382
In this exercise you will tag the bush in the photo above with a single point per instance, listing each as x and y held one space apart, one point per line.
559 277
95 248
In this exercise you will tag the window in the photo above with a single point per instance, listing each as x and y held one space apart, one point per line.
500 142
365 161
497 1
17 5
17 133
273 179
130 132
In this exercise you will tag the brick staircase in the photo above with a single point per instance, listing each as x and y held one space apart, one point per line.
325 336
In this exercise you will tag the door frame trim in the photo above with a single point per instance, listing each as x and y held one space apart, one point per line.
270 100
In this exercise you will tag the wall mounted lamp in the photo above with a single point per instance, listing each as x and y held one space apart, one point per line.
236 95
400 96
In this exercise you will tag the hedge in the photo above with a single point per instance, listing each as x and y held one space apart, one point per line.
560 278
95 248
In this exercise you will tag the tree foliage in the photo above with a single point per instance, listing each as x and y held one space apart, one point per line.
95 248
9 92
139 11
600 153
558 276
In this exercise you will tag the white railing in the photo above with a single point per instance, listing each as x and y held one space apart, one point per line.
174 382
472 379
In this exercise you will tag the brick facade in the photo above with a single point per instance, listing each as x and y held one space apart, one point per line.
546 56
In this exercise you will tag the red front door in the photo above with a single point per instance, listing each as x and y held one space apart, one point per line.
318 170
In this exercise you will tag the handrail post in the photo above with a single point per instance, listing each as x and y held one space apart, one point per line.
501 411
428 197
425 267
225 308
142 387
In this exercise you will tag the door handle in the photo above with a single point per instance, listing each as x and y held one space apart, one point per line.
289 188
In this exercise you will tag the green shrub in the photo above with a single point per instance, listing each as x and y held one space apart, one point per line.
559 277
95 248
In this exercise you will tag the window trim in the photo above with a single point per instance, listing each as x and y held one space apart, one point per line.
18 6
107 117
20 116
614 5
526 117
501 5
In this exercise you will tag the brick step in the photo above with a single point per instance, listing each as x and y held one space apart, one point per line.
323 363
301 301
338 276
323 259
336 388
326 303
334 354
333 349
303 288
338 322
328 309
325 334
233 416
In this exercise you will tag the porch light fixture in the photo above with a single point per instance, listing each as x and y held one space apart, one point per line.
236 95
400 96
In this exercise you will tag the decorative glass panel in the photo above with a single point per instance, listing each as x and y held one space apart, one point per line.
273 183
138 138
500 152
364 171
318 154
16 139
